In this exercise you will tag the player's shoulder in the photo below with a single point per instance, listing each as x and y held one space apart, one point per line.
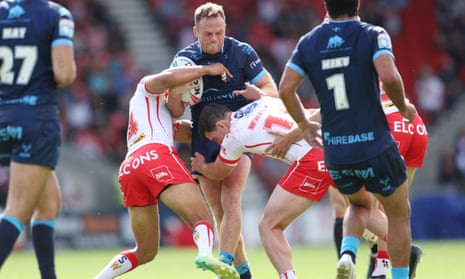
60 10
192 51
371 28
231 43
308 36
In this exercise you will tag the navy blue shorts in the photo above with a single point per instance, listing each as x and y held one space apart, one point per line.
34 142
382 174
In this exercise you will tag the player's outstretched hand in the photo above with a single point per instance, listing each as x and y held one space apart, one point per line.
280 145
282 142
312 134
251 92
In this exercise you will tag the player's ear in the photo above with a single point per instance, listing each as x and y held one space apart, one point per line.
195 31
220 124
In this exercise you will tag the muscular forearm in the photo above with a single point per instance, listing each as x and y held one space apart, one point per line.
395 90
209 171
268 86
295 109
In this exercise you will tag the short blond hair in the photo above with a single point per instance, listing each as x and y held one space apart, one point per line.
208 10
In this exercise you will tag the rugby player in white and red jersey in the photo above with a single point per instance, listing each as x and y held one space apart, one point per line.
153 170
253 129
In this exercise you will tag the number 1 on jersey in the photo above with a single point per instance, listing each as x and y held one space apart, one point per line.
337 83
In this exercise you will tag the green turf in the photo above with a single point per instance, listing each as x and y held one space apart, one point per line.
442 259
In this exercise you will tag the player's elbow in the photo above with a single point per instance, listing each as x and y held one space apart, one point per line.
390 78
65 76
220 176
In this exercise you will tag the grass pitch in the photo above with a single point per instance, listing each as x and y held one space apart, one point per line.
442 259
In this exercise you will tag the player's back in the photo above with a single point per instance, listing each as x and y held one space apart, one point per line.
28 29
338 58
251 126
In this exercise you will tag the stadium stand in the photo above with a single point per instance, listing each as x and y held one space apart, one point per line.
111 58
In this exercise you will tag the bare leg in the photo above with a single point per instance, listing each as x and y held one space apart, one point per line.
397 208
276 218
193 210
27 182
144 224
226 206
358 213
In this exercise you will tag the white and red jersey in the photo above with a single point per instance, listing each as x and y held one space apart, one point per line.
152 162
249 131
307 176
149 119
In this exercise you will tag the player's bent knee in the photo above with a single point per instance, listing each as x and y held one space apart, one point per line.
265 226
146 255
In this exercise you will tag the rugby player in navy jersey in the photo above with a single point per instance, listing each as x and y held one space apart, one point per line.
343 58
224 197
36 58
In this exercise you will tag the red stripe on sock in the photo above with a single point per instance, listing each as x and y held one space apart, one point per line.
132 258
382 255
209 227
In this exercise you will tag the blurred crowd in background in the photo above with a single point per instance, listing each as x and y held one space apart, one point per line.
432 63
94 108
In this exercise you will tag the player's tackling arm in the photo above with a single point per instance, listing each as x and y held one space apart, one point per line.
180 75
216 170
183 130
268 86
283 141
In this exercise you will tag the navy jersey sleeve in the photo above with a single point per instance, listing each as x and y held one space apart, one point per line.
382 44
64 31
255 69
296 61
300 55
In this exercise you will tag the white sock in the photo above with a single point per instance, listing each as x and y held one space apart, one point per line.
203 237
120 264
381 267
288 275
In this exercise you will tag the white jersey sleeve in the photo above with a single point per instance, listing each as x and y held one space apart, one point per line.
250 127
149 119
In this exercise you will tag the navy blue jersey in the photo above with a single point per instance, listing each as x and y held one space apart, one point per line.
338 57
240 59
245 66
29 30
